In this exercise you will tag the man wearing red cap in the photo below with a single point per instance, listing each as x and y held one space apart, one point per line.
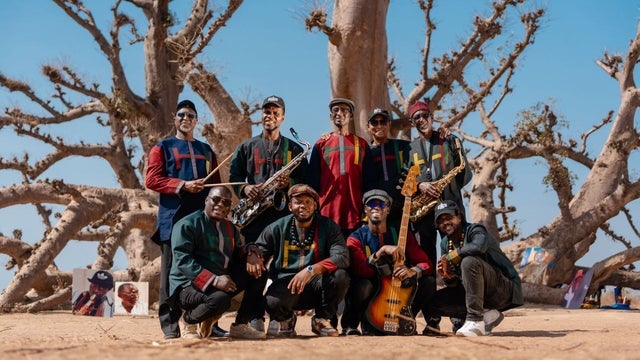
435 156
340 169
308 257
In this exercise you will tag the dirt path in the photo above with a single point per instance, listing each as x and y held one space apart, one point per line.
530 332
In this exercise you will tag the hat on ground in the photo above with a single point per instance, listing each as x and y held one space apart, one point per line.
446 207
418 105
376 194
337 101
274 100
303 189
102 278
187 104
379 112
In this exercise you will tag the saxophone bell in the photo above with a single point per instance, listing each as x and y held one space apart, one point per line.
279 200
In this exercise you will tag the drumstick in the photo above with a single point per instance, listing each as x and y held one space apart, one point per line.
225 184
217 168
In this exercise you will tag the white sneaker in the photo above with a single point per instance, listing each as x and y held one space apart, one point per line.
285 328
257 324
472 328
188 331
491 319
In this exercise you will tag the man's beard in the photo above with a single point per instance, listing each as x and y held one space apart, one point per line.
375 221
300 219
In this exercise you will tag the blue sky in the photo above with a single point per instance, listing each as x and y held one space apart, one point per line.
265 50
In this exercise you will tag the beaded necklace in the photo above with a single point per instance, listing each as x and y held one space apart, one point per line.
308 238
452 247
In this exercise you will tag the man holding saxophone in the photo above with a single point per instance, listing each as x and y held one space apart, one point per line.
444 170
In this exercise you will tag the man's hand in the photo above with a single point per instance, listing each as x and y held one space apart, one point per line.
283 181
252 191
299 281
255 264
193 186
403 272
445 268
396 254
430 189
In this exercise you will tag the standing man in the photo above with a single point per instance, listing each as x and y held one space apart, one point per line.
481 281
176 169
388 157
257 159
209 269
435 157
372 249
341 169
308 258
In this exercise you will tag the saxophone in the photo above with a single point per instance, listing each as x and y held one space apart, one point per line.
247 209
423 203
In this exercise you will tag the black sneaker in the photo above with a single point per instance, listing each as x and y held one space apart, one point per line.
217 331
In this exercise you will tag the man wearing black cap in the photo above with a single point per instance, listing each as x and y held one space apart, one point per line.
257 159
176 170
388 156
373 249
95 302
340 169
308 258
481 281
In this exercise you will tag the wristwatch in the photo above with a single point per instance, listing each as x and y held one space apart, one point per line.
310 269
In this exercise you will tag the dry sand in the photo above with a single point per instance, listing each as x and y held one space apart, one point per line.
530 332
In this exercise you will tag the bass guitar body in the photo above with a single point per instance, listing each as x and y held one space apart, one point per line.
390 310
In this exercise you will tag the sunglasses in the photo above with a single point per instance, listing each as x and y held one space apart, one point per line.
424 115
337 109
189 115
378 122
376 203
220 200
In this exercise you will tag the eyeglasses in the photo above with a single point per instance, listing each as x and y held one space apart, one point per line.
220 200
376 203
424 115
189 115
378 122
337 109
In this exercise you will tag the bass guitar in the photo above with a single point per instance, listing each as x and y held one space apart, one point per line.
390 309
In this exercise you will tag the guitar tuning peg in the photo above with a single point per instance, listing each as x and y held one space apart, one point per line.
398 187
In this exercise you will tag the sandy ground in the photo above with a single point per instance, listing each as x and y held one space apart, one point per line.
530 332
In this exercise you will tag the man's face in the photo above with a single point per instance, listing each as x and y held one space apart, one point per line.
422 121
185 120
302 207
379 128
376 210
448 223
272 117
98 290
217 204
129 294
340 115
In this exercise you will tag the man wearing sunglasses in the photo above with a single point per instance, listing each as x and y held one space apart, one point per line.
388 156
176 168
340 169
435 156
209 269
374 247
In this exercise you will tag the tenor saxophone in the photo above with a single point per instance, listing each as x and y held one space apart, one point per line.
247 209
423 203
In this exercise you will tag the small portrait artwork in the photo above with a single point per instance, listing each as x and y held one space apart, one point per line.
132 298
92 293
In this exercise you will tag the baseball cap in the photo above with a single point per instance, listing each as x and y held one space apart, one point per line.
275 100
376 194
337 101
102 278
418 105
446 207
187 104
379 112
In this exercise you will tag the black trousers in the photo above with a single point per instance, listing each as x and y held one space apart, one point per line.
482 287
200 306
168 311
323 293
